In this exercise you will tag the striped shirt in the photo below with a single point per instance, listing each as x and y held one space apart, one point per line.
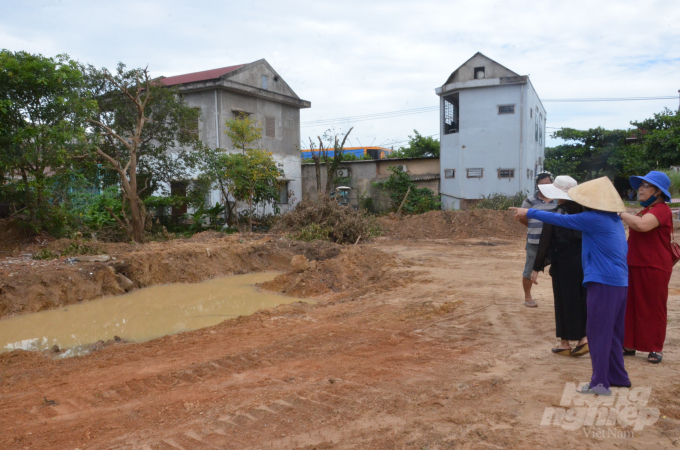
536 226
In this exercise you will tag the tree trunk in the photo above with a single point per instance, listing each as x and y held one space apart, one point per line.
317 168
29 202
227 203
250 209
316 157
335 162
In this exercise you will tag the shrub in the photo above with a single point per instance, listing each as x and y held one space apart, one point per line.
501 201
328 220
675 181
77 248
45 254
312 232
420 200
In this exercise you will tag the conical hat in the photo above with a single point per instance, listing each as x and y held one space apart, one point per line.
599 194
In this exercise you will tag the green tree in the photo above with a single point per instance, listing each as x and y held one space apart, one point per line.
660 139
243 131
252 178
42 134
141 127
590 154
418 147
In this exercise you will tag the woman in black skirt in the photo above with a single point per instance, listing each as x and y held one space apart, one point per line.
561 249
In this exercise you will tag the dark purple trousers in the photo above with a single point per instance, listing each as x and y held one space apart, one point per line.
605 331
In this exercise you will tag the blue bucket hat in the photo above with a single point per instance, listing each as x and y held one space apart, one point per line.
658 179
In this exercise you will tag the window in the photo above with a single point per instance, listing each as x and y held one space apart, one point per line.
540 130
238 114
506 173
451 111
475 173
479 73
528 173
264 81
531 113
536 125
283 192
506 109
449 173
270 126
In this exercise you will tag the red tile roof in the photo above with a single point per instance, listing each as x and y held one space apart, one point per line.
199 76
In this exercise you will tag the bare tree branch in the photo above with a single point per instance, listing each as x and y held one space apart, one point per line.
112 133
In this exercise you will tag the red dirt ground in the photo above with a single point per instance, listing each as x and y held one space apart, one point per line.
372 365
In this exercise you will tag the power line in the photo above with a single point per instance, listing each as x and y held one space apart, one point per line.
622 99
426 109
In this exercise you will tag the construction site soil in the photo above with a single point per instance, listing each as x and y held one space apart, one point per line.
418 340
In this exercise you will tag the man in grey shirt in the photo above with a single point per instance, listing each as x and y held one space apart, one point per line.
534 228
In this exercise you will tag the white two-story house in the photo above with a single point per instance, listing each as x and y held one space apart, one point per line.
492 133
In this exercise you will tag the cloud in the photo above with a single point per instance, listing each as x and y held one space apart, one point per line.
356 57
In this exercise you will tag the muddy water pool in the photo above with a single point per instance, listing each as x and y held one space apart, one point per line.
140 315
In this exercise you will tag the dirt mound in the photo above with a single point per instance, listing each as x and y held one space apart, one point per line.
207 236
354 271
475 223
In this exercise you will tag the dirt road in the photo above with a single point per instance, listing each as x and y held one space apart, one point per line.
363 371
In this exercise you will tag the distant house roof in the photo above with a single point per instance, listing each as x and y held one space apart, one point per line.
199 76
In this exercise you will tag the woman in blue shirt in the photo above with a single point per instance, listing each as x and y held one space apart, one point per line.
605 273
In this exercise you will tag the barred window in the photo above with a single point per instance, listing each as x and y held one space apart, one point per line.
475 173
449 173
451 114
506 109
506 173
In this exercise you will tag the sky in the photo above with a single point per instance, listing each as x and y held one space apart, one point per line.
356 58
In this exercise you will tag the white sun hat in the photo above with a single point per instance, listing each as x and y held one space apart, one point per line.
559 189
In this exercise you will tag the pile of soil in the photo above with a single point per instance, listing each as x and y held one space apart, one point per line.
355 271
476 223
29 286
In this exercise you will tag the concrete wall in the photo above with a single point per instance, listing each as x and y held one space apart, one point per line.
492 69
491 141
253 77
362 174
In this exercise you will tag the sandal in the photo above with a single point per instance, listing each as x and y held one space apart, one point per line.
597 390
628 352
580 350
657 355
531 304
562 351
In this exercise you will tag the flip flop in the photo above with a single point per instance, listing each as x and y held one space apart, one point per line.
597 390
562 351
657 355
628 352
531 304
580 350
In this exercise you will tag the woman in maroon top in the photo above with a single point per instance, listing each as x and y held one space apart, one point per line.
650 264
